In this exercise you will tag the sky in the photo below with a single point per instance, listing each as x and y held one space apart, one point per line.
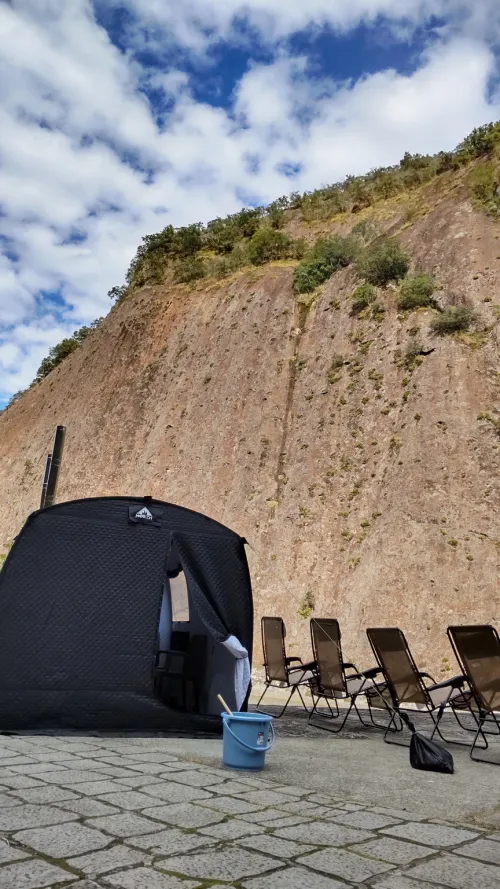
118 117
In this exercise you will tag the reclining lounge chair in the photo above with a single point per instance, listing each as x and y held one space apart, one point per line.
332 682
477 649
406 683
279 672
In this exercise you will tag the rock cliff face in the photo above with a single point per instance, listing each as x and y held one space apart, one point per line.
364 482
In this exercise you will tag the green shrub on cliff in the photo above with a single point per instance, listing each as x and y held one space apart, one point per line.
326 257
267 244
383 262
453 320
416 292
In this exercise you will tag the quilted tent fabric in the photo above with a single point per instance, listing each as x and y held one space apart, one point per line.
80 598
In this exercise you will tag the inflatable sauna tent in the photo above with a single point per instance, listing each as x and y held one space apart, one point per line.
123 613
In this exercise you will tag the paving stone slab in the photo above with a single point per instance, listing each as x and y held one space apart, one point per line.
295 878
147 878
272 845
232 830
89 808
91 883
195 778
398 881
71 776
303 807
79 762
35 768
9 853
7 801
127 799
136 780
18 763
147 768
457 873
494 836
45 794
400 814
296 792
98 788
108 860
25 816
368 820
264 815
175 793
322 799
483 850
114 772
351 807
63 840
230 788
170 768
265 797
286 821
32 874
395 851
229 863
186 815
431 834
166 842
16 782
126 824
154 756
229 805
324 833
344 864
54 756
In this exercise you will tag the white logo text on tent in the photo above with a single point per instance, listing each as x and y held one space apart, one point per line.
144 513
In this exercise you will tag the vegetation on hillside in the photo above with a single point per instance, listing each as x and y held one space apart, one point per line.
57 355
237 239
453 320
416 292
61 351
253 236
327 256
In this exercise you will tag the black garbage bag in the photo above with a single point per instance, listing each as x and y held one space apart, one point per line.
425 754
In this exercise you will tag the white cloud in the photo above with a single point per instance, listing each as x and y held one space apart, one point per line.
86 169
198 24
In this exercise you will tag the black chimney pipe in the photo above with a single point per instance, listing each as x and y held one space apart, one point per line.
45 480
55 465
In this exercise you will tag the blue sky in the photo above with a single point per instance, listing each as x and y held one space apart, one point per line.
121 116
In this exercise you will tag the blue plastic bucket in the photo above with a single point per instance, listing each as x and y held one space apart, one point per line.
247 737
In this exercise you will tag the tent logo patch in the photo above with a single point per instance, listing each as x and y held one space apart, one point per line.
144 514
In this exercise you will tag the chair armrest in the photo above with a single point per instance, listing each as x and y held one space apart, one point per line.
372 672
427 676
454 682
366 674
304 667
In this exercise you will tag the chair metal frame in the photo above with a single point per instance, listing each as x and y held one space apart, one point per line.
273 681
485 712
329 693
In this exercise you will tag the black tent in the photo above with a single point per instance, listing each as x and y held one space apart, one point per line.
123 613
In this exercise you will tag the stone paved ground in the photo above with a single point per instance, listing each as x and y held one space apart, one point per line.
131 813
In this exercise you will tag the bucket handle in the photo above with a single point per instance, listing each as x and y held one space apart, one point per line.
249 746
